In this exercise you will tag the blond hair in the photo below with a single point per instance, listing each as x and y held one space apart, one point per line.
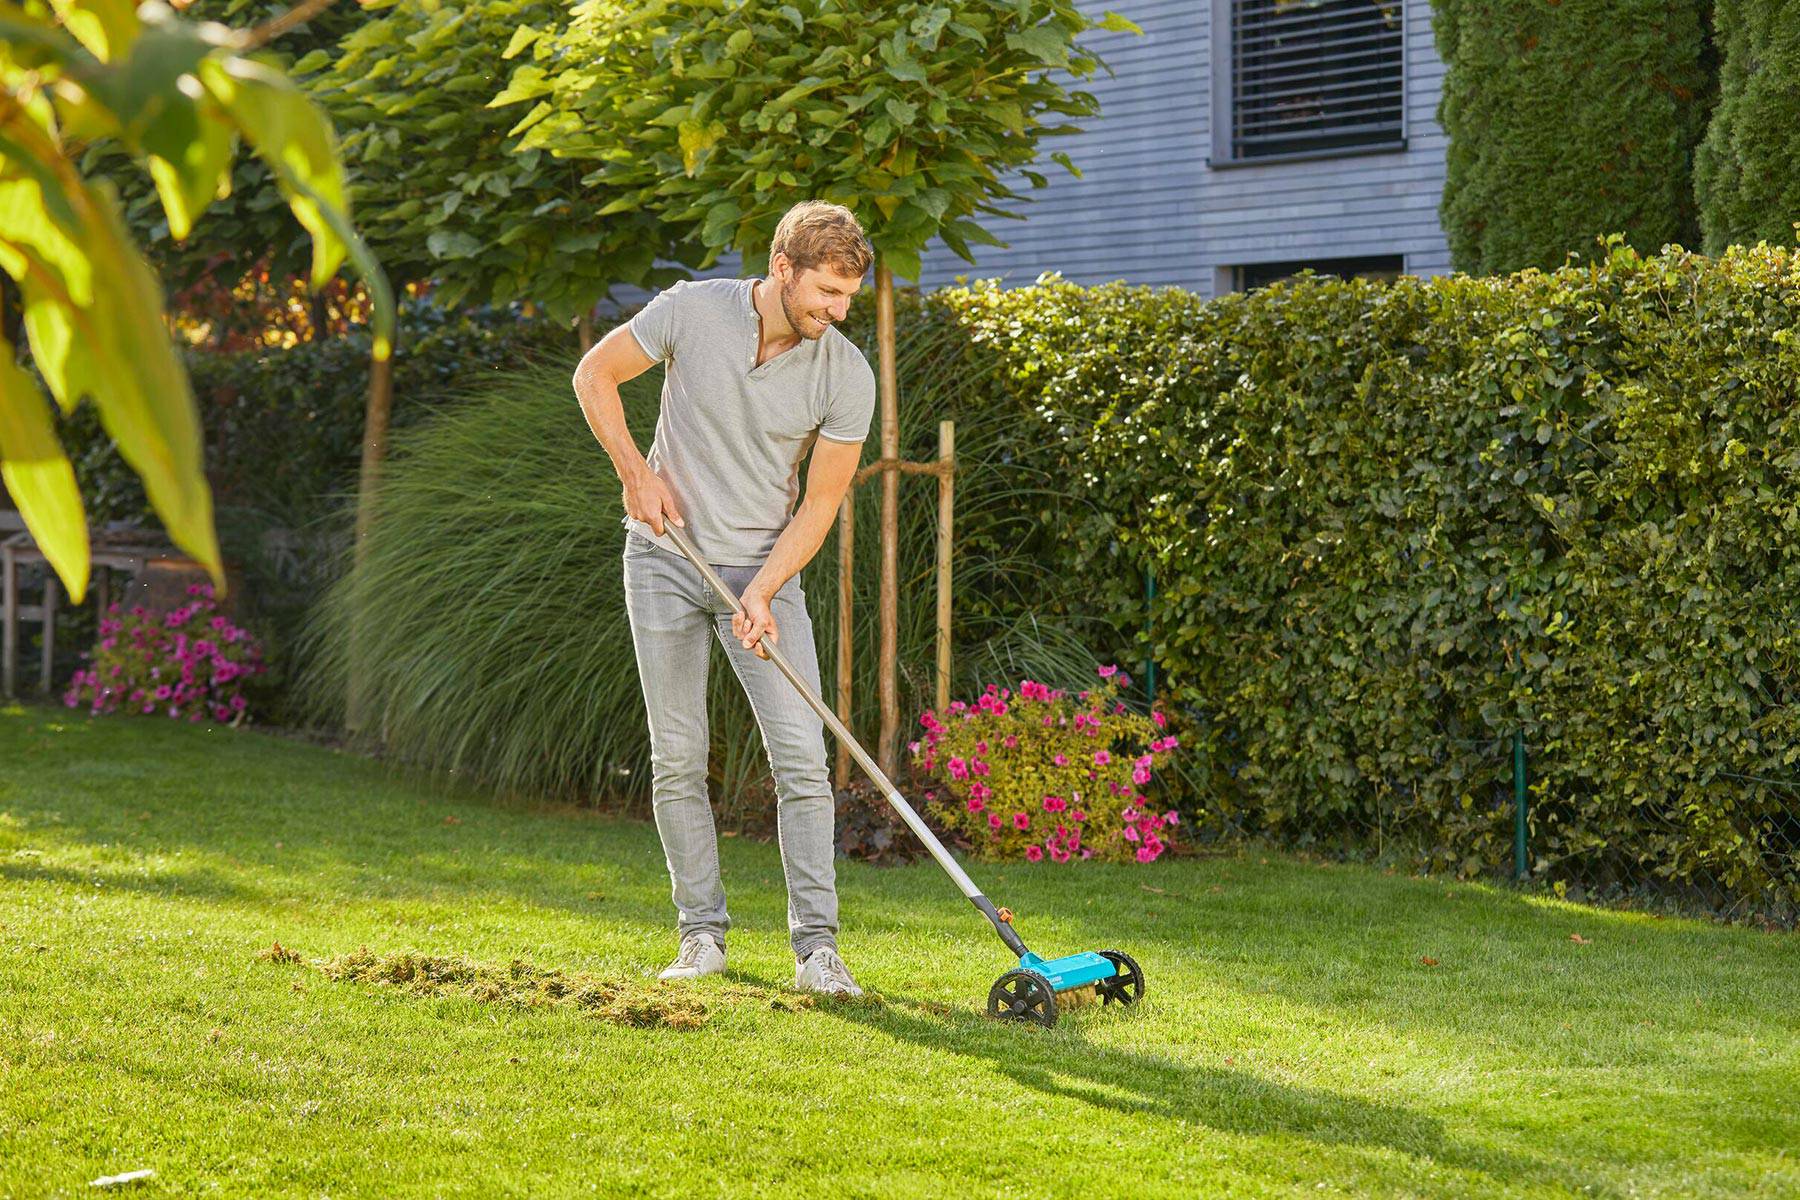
815 232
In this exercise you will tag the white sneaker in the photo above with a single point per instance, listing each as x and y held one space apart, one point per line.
700 955
824 971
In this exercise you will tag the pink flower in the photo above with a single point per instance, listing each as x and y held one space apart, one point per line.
1021 821
1061 760
1055 804
1058 854
1107 672
1078 815
978 766
930 795
994 821
1171 817
912 748
1086 853
1101 758
958 769
1162 722
981 747
1140 775
980 790
1145 854
1010 742
976 804
1033 853
1131 833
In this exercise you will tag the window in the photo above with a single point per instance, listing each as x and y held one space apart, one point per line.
1371 266
1314 76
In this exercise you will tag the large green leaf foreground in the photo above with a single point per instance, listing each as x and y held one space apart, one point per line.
1296 1041
177 95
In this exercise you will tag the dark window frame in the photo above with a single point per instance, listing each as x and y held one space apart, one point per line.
1388 135
1246 276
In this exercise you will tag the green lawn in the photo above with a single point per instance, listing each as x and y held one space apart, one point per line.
1292 1042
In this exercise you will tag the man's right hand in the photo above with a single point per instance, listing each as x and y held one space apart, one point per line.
648 498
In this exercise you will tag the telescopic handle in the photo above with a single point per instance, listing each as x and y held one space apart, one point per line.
888 790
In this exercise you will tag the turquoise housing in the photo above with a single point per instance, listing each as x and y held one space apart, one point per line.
1077 970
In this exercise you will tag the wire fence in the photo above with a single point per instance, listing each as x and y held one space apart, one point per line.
1531 840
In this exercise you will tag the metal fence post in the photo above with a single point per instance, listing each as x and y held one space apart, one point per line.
1519 856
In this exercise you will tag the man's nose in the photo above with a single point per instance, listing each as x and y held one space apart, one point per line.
840 308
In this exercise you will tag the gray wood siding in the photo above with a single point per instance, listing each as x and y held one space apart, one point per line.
1149 209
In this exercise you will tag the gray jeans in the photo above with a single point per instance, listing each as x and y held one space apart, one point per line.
674 615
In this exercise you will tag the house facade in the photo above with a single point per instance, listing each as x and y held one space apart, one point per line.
1238 141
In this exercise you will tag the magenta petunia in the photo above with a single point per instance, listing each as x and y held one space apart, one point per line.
1061 760
1021 821
1033 853
1101 758
994 820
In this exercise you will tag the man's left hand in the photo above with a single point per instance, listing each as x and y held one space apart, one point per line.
755 623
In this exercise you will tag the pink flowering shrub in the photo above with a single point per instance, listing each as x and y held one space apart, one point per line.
188 662
1038 774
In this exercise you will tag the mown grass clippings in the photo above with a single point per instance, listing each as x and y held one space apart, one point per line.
519 984
279 954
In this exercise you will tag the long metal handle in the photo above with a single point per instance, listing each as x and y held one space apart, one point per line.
951 867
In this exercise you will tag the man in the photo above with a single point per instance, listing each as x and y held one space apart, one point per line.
757 378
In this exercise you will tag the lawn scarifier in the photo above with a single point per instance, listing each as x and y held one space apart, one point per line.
1038 988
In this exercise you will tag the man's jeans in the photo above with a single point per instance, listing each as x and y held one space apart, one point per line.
674 614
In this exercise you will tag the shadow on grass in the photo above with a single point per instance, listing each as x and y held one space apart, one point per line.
1061 1063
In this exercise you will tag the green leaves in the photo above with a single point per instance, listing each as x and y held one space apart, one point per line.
38 476
716 119
1373 562
174 94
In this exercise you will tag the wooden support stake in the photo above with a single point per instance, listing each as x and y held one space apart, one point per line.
890 520
846 581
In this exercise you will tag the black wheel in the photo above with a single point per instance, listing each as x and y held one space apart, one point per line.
1127 985
1023 995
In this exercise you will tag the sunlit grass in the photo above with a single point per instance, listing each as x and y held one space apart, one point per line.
1293 1040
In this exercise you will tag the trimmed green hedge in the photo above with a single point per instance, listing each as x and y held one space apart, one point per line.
1391 524
1567 122
1747 173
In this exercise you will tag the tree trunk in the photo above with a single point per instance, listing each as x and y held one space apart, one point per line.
374 451
890 518
584 330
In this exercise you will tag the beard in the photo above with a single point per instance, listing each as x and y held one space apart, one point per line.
800 323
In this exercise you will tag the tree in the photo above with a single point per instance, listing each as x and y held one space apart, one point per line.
719 117
1567 122
1747 177
177 95
447 190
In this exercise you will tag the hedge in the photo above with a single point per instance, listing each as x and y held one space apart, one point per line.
1747 174
1567 122
1392 524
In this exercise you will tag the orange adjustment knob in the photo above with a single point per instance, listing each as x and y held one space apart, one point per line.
1005 914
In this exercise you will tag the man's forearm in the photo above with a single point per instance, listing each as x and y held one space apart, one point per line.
804 534
605 413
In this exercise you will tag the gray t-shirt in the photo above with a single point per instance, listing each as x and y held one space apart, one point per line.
731 435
